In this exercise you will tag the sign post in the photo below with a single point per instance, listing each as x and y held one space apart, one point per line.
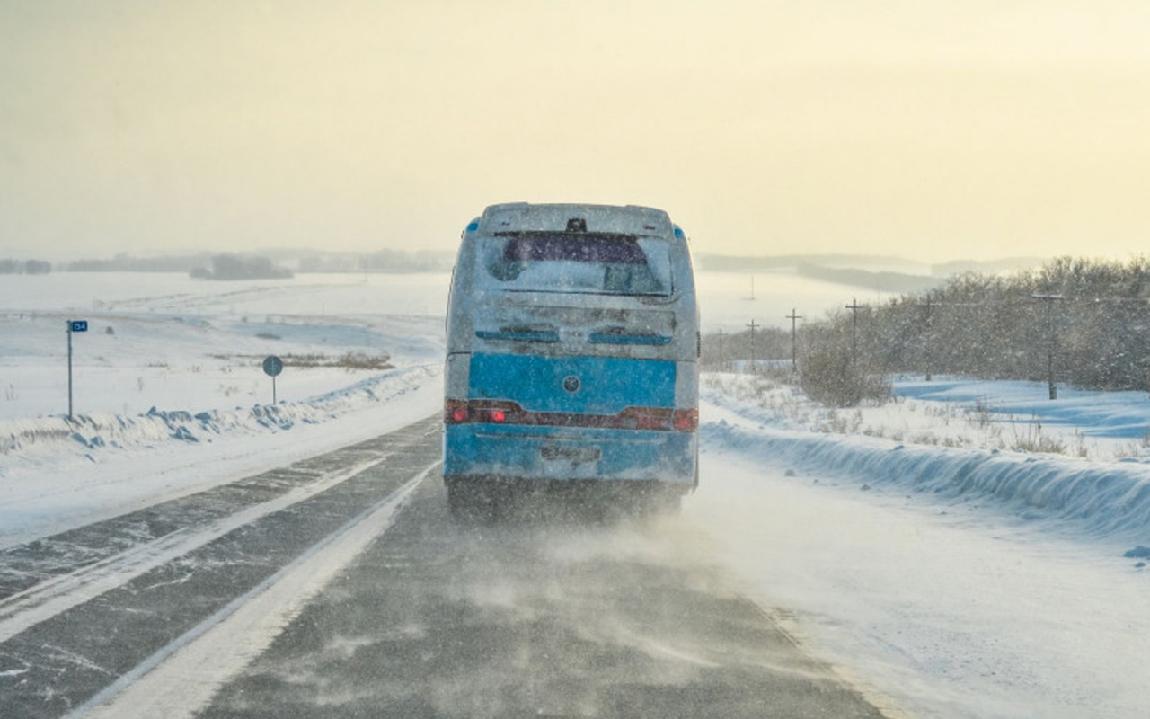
273 366
74 326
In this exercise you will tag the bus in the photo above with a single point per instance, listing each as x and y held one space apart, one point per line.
572 350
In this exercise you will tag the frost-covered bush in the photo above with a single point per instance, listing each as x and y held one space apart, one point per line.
832 376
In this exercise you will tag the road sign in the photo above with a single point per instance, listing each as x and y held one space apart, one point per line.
74 326
273 366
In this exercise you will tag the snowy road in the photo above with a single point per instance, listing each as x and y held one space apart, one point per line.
339 586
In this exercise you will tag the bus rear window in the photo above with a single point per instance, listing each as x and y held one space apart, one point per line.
570 262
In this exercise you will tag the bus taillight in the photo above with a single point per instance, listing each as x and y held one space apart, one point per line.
455 411
686 420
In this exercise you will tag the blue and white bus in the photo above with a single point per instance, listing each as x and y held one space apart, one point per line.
573 340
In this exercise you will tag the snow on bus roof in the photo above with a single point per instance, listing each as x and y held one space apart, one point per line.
628 220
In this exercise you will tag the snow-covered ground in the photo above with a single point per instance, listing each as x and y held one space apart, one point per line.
169 394
959 412
1106 415
166 341
961 550
961 580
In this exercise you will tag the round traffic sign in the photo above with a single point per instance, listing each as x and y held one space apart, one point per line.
273 366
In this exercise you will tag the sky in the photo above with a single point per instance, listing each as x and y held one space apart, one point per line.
931 130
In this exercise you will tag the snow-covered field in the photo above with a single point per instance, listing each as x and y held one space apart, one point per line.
169 394
166 341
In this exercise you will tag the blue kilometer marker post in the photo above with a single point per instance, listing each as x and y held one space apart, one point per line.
74 326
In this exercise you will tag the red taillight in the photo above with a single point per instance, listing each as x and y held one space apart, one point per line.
686 420
455 411
498 415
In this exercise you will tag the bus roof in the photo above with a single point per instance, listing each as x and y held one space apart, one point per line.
610 219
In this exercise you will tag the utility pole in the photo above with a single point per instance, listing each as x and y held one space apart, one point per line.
793 317
752 325
854 307
929 332
1051 341
721 361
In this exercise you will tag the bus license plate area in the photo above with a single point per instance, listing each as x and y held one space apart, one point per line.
574 455
567 462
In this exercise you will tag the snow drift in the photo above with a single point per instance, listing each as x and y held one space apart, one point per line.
1098 499
25 439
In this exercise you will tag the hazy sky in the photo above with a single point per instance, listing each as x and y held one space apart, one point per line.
928 129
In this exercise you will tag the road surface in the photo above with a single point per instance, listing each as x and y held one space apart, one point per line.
340 587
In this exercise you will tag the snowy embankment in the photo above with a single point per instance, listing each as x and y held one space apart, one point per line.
56 474
30 442
1098 499
1103 499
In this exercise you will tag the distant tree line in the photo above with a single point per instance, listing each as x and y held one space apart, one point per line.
24 267
304 260
380 261
882 280
132 263
241 267
1093 315
742 263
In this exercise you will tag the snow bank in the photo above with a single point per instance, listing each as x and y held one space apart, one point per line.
1095 413
1100 499
25 441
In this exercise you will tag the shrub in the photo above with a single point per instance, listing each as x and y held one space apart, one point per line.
832 377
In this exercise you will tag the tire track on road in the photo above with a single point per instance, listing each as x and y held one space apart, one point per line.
182 677
47 599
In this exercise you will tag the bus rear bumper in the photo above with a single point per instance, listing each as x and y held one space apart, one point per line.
531 453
